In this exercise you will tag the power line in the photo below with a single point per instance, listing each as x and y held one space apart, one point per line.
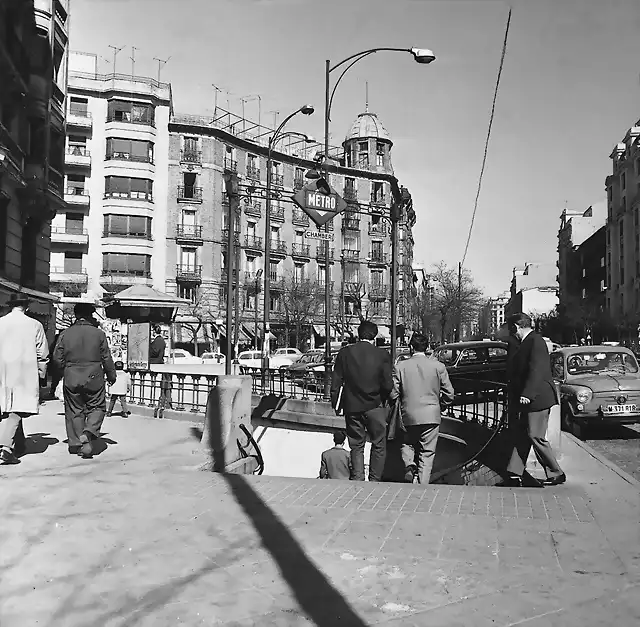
486 144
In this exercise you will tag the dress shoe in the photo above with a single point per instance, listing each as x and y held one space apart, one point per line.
7 457
74 450
86 450
528 481
409 474
557 480
513 481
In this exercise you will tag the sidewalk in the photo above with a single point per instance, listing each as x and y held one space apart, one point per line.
138 537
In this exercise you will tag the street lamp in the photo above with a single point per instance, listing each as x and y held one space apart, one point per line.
255 323
420 55
305 110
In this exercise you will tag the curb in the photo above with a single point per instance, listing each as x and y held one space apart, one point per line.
603 460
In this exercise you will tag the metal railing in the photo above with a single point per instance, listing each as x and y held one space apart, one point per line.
252 241
352 224
77 191
300 250
277 180
350 255
189 231
278 247
146 274
189 192
377 257
253 209
188 272
378 229
118 155
276 213
350 193
230 164
79 274
69 230
191 156
253 173
300 217
79 112
78 151
320 252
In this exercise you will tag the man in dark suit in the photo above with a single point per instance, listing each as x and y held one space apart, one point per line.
363 371
534 391
336 462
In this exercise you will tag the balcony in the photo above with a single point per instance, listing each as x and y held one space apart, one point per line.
79 118
189 233
379 200
276 282
230 164
125 118
352 287
350 224
301 250
253 173
69 235
278 247
188 193
379 292
78 156
129 195
276 213
377 258
320 252
117 155
190 156
77 196
350 194
188 273
120 278
350 255
253 209
300 217
225 237
379 229
251 242
298 183
68 275
251 278
55 183
277 180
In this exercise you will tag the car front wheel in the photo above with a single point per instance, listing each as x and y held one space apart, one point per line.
577 427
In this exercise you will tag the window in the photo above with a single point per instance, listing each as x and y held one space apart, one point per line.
299 176
274 274
188 258
275 234
131 112
602 262
251 230
73 262
321 273
127 226
380 154
126 187
79 106
225 222
74 223
131 264
188 292
350 185
497 354
188 218
377 193
299 238
275 303
363 154
191 144
129 149
377 251
377 278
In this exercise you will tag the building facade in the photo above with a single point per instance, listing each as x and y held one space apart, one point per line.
33 78
492 315
534 290
623 235
113 232
201 150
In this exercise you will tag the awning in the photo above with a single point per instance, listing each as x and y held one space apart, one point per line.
319 330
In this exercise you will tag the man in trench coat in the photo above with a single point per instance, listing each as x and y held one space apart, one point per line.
83 354
23 362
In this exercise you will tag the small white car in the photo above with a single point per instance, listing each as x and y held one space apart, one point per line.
253 359
286 356
182 356
212 358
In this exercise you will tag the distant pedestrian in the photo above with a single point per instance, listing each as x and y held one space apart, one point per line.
336 461
120 389
23 364
533 390
420 384
363 372
157 346
83 354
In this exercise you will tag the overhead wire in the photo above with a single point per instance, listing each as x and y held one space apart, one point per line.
486 143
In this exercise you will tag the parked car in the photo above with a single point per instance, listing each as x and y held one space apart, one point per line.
253 359
287 355
467 362
599 385
212 358
182 356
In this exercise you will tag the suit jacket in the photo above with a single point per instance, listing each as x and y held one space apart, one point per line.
365 372
335 464
531 374
156 350
419 383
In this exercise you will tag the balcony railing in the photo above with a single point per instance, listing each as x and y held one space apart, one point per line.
60 274
253 173
378 229
79 195
190 156
188 272
278 247
69 235
350 255
116 273
118 155
253 242
225 236
78 117
350 193
300 217
300 250
277 180
320 252
350 224
377 257
111 117
130 235
189 231
276 213
230 164
379 291
253 209
190 193
298 182
78 151
352 286
129 195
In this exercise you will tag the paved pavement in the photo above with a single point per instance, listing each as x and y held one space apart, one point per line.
621 445
139 537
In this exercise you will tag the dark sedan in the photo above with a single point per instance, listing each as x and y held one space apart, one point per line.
467 362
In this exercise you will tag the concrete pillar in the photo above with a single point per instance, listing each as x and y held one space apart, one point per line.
228 406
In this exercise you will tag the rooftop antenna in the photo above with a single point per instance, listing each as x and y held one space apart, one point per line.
215 99
115 53
366 97
161 64
133 61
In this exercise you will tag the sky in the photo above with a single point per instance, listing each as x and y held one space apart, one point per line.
570 90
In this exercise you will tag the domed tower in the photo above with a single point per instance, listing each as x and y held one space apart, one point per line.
367 145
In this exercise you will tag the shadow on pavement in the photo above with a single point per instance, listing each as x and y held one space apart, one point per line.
36 443
613 432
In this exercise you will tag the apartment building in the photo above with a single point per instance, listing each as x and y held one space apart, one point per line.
534 289
623 234
492 315
33 77
113 231
202 149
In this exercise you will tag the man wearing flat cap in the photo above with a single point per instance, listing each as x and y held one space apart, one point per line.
23 362
82 354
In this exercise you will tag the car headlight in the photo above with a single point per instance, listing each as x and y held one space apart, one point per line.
583 395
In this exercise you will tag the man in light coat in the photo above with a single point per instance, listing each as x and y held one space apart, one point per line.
24 354
420 383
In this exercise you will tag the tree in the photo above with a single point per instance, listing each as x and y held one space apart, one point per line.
301 301
196 316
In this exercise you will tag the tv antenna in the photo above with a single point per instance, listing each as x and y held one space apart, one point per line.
133 60
161 64
115 54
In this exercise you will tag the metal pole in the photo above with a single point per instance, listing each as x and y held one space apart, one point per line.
267 263
459 308
327 268
230 251
255 321
236 330
395 210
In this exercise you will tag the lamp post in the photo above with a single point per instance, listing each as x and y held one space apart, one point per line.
305 110
255 322
420 55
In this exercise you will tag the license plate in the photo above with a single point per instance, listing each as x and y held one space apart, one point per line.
620 409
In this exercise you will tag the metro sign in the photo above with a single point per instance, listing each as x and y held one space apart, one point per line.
320 201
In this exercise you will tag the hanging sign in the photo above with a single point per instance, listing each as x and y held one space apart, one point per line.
320 201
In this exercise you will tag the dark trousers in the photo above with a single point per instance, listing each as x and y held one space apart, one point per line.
112 403
84 412
374 423
531 430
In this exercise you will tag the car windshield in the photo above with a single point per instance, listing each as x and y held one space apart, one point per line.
305 359
601 362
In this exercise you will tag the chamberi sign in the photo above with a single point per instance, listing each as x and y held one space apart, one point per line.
321 235
320 201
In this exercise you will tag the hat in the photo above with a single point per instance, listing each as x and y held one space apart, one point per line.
17 300
83 309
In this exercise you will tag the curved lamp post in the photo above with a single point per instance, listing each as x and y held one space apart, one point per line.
305 110
420 55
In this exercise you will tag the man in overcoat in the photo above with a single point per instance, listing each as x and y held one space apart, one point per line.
533 389
420 383
82 354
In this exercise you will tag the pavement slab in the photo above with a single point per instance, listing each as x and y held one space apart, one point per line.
139 537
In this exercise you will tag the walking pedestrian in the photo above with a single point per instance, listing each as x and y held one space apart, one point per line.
83 354
335 462
23 363
534 391
363 371
120 389
420 384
